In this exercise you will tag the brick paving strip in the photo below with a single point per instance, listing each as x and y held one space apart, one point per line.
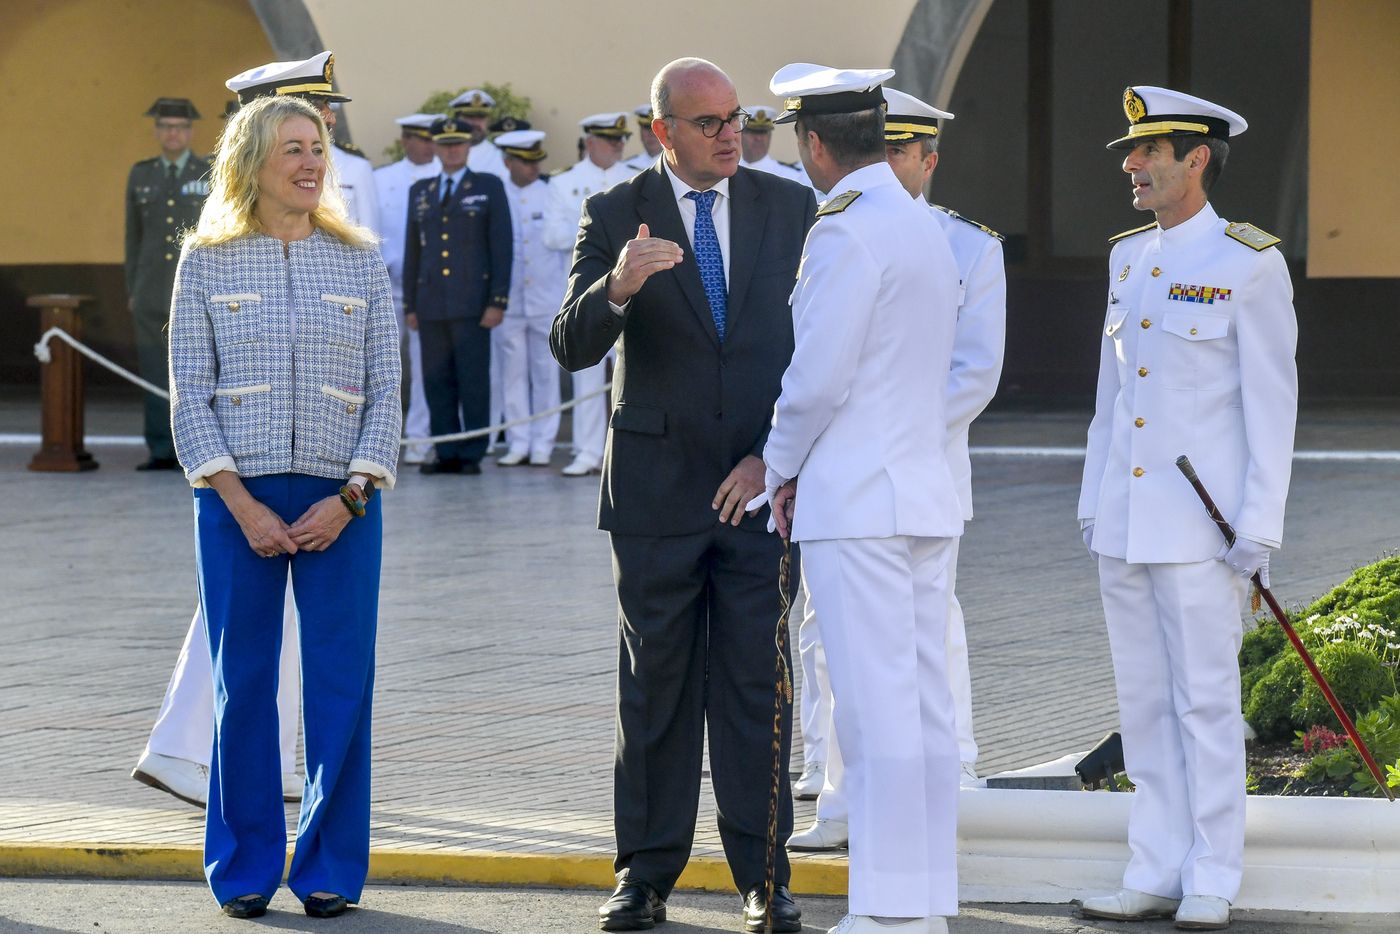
497 652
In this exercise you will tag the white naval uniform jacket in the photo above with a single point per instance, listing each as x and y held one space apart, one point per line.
486 156
567 191
1198 359
391 184
640 162
539 274
774 167
356 178
979 342
860 420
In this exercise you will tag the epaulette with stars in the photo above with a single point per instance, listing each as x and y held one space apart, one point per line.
1128 233
1251 236
967 220
350 148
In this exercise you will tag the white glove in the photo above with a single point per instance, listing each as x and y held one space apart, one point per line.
1089 540
758 502
1246 558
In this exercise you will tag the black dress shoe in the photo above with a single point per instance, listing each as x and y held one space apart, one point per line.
451 465
325 907
471 468
634 906
245 906
786 915
159 463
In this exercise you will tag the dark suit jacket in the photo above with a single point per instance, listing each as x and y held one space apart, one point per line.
688 408
456 261
157 212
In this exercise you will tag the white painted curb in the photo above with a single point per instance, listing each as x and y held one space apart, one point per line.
1301 854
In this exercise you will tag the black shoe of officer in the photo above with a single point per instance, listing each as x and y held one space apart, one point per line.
159 463
786 915
442 465
634 906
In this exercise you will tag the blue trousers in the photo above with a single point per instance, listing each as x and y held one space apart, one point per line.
457 383
337 595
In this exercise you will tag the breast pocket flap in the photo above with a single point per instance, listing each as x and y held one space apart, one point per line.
1116 315
639 418
1196 327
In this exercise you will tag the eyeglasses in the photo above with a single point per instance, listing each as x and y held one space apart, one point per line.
164 125
710 126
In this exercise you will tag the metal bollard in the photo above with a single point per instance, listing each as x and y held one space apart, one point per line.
62 400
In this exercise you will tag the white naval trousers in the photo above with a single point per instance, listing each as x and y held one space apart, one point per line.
529 381
816 697
415 424
590 425
1174 631
185 725
883 605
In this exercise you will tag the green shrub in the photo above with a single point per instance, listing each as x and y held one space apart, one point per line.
1270 707
1260 649
508 104
1380 730
1357 678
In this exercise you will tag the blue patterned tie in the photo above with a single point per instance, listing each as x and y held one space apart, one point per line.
709 257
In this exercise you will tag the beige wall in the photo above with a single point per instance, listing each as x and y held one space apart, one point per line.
1353 193
76 76
574 59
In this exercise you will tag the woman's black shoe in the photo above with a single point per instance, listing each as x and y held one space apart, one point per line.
246 906
327 907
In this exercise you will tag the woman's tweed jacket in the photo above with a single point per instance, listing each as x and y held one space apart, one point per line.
240 399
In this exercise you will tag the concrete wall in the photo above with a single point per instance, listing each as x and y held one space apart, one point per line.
575 59
77 76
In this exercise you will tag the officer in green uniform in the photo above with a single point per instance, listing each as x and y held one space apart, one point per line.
164 196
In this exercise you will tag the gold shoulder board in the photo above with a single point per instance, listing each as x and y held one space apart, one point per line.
838 204
560 171
350 148
1251 236
967 220
1128 233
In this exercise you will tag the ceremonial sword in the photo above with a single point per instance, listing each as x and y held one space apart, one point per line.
782 695
1184 464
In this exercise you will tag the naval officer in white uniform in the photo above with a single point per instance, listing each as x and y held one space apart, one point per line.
529 373
1197 358
391 183
756 140
475 107
911 148
857 453
651 146
604 136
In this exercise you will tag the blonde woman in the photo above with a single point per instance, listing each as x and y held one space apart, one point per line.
284 371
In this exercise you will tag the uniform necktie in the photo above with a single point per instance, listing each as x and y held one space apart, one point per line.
709 257
172 173
447 191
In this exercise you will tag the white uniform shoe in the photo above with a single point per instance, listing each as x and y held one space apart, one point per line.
417 453
186 780
580 466
822 835
292 786
864 924
1128 905
540 459
512 459
1203 913
807 787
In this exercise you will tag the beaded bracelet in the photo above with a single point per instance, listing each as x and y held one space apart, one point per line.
351 495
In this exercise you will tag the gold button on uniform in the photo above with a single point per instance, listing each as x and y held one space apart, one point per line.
1156 271
169 255
170 202
233 306
445 254
169 239
170 220
349 309
1142 371
444 236
447 272
1139 422
1138 471
1193 330
1146 323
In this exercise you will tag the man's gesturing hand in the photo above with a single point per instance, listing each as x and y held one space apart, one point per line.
638 261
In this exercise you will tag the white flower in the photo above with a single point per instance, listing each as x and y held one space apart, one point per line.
1314 618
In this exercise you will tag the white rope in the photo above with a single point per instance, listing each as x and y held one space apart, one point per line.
41 350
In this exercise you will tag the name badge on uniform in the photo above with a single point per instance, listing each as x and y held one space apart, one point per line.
1199 294
469 200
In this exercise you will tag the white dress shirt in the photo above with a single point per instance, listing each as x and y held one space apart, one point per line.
719 212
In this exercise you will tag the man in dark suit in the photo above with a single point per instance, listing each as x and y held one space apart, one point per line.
691 264
164 195
456 282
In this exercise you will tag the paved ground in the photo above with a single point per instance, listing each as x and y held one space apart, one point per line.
497 652
35 907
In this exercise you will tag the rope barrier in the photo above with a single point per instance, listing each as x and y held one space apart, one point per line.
42 351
